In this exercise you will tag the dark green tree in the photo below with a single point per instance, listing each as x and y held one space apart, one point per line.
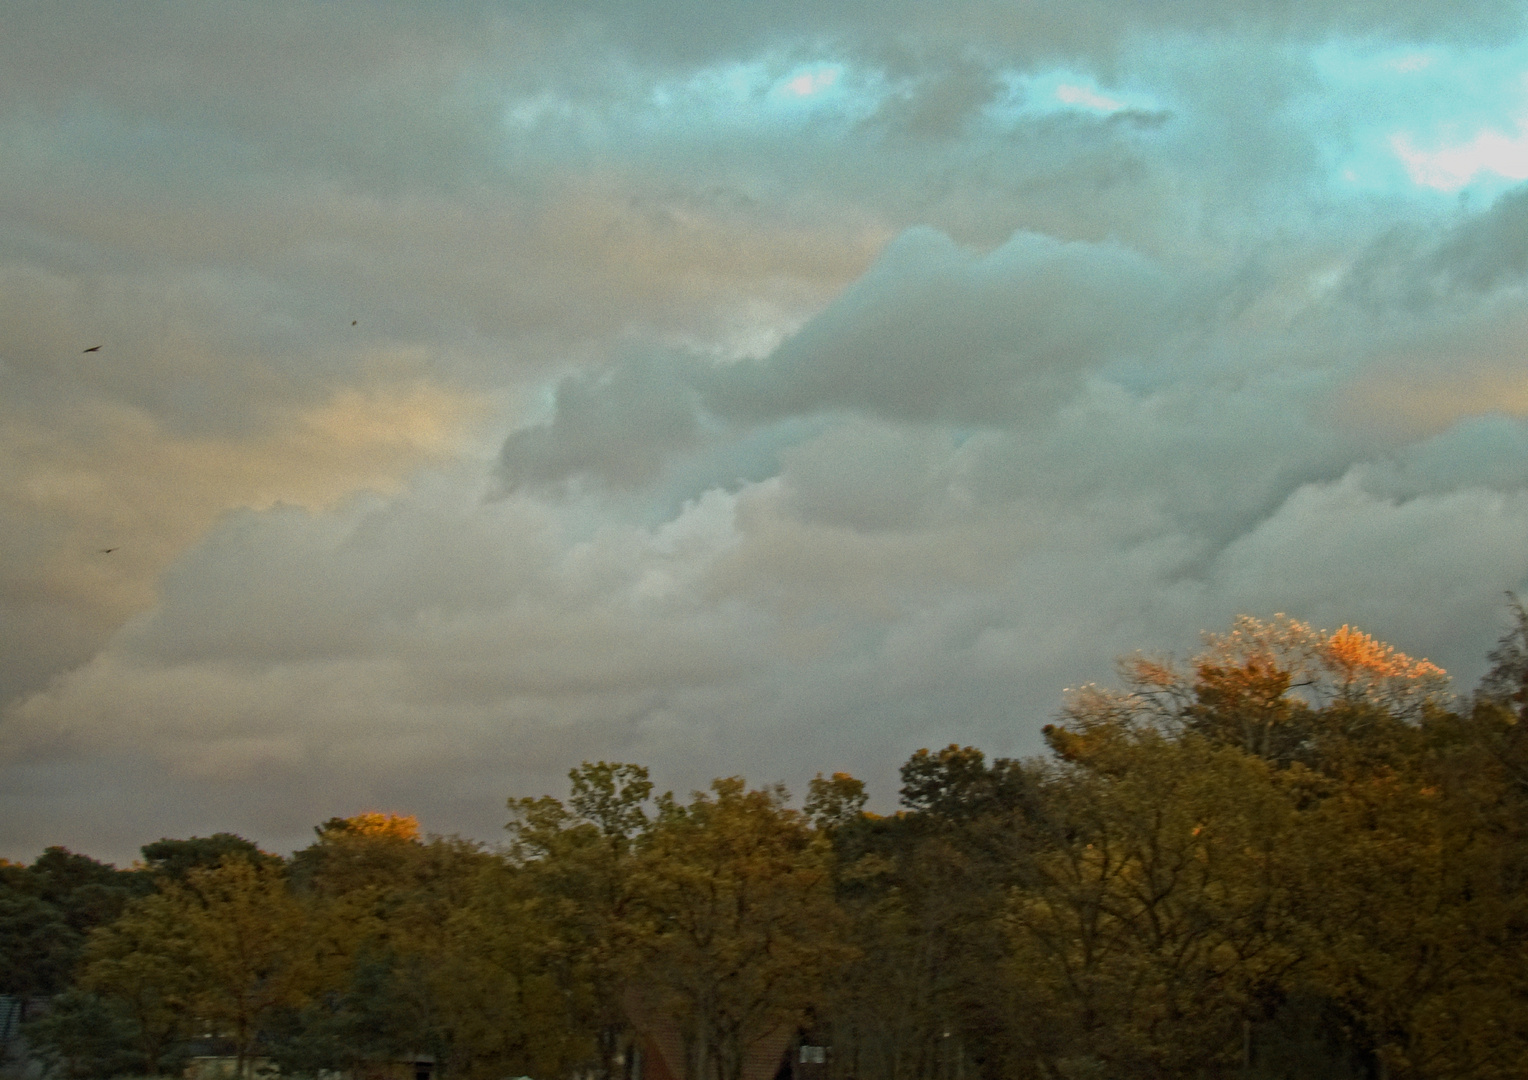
174 859
82 1037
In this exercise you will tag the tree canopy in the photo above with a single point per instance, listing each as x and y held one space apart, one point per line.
1293 854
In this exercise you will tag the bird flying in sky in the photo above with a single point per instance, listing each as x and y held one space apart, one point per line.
94 348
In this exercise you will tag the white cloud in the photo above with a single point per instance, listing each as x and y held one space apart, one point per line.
1451 167
813 80
1087 98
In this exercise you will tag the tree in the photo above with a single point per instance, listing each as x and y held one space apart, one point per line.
571 873
387 910
46 911
145 965
1281 690
252 946
1506 682
1501 701
514 992
1413 905
1300 820
1162 914
836 802
735 921
82 1037
374 854
957 785
174 859
38 948
922 893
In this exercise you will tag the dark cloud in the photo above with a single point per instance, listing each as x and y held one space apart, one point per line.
617 425
936 333
939 104
932 334
1490 249
1416 267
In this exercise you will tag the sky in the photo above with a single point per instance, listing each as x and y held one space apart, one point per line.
755 389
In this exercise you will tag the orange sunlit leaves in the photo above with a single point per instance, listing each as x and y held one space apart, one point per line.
384 826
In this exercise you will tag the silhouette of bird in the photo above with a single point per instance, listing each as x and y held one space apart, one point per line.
94 348
107 551
352 322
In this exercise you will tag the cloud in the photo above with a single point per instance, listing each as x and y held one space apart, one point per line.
939 104
761 390
933 333
937 333
616 425
1489 249
1450 553
107 476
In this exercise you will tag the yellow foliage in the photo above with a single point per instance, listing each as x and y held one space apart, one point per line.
383 826
1373 672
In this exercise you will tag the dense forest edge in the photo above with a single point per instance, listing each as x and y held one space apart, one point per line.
1295 854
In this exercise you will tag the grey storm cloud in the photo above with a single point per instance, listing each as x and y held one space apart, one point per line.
1489 250
616 424
940 103
1413 268
756 389
933 333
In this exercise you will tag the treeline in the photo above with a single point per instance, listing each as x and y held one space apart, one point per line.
1294 855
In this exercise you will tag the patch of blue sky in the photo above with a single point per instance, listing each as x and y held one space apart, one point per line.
757 96
1422 120
1030 94
763 93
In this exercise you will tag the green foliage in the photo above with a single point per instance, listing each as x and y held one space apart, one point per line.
145 964
379 1015
174 859
82 1037
46 911
955 784
38 947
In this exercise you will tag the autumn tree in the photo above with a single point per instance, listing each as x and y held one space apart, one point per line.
1160 917
579 858
382 902
513 994
146 965
734 921
1300 817
1413 912
251 946
1280 690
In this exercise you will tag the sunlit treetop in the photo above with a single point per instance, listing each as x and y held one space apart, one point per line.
1345 665
1258 685
372 825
